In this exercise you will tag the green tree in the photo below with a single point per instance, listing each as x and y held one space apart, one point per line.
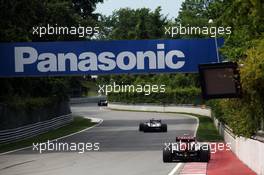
136 24
17 18
245 45
143 24
245 115
247 23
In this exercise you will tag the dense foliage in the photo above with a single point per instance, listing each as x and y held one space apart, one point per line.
177 95
246 115
17 19
246 45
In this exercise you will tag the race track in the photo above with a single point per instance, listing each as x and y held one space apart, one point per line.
123 149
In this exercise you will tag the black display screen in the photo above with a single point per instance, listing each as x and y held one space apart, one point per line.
220 80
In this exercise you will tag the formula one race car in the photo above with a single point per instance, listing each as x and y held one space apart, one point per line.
153 125
102 103
186 149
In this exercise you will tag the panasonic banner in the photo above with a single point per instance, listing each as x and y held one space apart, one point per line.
105 57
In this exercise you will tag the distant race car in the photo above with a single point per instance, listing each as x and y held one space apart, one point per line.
102 103
153 125
186 149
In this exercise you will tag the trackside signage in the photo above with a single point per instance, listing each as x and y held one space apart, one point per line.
105 57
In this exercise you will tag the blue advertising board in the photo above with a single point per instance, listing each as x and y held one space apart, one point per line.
105 57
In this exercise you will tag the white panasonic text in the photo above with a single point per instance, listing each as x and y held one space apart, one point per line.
104 61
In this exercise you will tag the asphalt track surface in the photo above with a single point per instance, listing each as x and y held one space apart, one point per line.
123 149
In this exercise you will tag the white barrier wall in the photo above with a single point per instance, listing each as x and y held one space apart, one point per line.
249 151
80 100
157 108
152 108
188 109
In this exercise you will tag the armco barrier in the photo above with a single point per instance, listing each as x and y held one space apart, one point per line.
15 116
159 108
87 99
32 130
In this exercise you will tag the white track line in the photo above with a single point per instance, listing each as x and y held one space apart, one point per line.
197 120
193 168
100 121
175 169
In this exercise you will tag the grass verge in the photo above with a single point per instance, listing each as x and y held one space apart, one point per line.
78 124
206 131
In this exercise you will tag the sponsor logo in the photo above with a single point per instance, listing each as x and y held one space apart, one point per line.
104 61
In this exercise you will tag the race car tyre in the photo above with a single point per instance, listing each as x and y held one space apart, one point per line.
141 127
163 127
205 154
145 128
167 155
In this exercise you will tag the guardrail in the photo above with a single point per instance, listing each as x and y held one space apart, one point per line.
162 108
87 99
16 134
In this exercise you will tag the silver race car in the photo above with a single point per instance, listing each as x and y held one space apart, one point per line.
102 103
153 125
